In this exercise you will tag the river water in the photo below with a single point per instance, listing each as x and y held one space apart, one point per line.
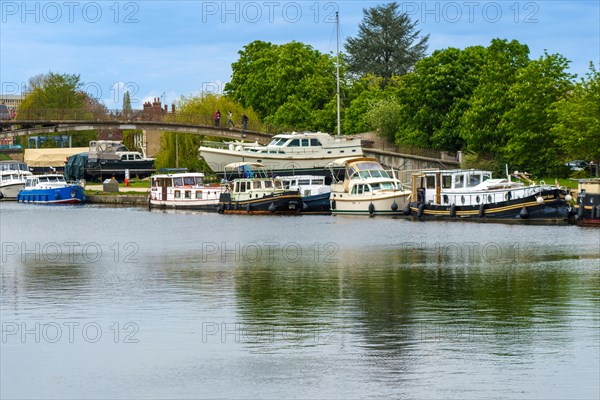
104 302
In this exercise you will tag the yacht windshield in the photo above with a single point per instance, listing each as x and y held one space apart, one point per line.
277 142
367 170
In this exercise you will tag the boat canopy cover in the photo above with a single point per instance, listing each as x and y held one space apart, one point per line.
340 162
75 167
238 165
50 157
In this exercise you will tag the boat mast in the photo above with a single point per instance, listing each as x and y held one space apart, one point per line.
337 35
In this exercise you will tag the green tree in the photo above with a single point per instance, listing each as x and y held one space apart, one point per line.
285 84
188 144
387 43
480 126
531 144
126 104
577 119
384 116
435 96
55 92
203 106
362 95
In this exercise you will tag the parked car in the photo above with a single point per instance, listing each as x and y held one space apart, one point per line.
577 165
4 112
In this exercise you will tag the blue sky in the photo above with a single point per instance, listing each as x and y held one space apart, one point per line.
171 48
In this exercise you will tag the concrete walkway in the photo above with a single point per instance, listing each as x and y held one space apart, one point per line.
121 189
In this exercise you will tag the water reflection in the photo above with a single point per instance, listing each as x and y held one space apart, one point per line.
339 307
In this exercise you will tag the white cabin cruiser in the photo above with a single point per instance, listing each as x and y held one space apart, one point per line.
367 189
287 154
13 175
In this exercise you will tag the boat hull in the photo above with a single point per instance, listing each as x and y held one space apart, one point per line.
70 194
316 204
10 191
102 170
217 159
200 205
587 210
553 208
281 203
375 205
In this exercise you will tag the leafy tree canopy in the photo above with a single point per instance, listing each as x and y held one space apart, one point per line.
284 84
387 43
54 91
577 119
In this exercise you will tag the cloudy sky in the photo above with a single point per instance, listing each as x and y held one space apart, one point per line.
171 48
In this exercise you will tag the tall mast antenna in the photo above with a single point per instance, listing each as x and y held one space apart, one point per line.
337 35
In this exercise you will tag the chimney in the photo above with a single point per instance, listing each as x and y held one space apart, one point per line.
173 108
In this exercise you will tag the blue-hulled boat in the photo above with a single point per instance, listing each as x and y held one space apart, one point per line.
51 189
314 190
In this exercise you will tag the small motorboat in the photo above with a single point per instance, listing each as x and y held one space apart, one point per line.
51 189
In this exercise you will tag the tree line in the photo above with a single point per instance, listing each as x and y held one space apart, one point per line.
496 104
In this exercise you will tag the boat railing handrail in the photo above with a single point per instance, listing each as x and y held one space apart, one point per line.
488 196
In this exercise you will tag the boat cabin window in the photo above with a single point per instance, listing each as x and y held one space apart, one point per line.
360 189
255 184
277 142
430 182
137 157
294 143
304 182
459 181
305 142
177 181
199 195
268 184
188 194
473 180
446 181
383 186
188 180
486 177
315 142
177 194
199 181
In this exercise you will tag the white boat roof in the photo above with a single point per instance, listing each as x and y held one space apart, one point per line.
49 176
299 134
291 177
340 162
237 165
451 171
180 175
